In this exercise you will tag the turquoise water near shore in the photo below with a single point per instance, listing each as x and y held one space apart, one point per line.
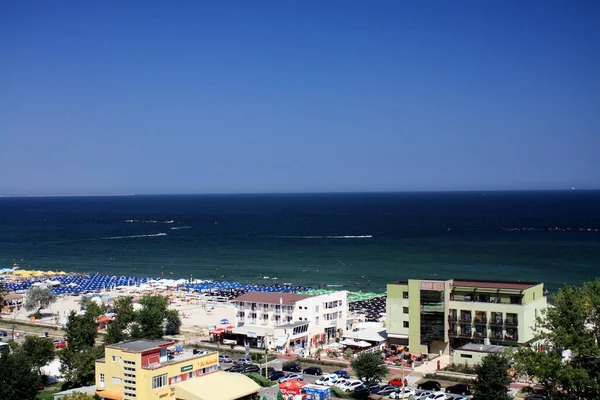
361 241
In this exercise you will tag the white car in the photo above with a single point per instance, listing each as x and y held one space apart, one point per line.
341 382
437 396
351 384
327 380
243 361
298 377
407 392
423 395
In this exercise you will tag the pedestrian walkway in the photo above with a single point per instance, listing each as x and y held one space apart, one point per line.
429 367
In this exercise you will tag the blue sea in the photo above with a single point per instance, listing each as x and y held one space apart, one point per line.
359 241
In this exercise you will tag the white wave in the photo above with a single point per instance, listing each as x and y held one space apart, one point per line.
328 237
133 236
181 227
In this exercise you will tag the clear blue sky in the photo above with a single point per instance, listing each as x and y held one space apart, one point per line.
101 97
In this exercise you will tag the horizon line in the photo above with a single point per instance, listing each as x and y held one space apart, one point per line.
297 193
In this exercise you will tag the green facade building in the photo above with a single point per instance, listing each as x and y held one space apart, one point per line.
432 316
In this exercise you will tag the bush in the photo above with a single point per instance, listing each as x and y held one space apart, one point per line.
319 362
338 393
461 368
261 380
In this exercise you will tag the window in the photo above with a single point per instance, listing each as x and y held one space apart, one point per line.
129 369
466 356
405 324
130 388
131 395
191 374
128 362
405 295
159 381
176 379
116 381
339 302
317 320
101 378
300 318
129 376
116 358
405 310
127 381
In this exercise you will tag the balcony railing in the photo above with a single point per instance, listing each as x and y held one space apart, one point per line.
512 338
480 334
465 318
452 317
481 320
511 321
452 333
466 334
496 335
496 321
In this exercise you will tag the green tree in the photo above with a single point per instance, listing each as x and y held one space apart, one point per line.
151 317
117 330
569 366
39 351
492 378
2 294
79 357
17 378
91 307
369 367
37 298
173 322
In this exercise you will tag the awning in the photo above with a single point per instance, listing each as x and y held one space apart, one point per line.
252 331
368 335
216 386
110 394
280 342
397 336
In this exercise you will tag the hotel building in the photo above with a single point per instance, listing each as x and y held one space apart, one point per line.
435 315
280 320
155 369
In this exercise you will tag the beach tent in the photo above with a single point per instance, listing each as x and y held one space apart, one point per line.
291 387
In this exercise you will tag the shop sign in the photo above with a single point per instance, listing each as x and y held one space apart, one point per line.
187 368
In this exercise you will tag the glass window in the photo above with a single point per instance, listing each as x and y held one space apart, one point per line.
405 295
159 381
405 324
405 310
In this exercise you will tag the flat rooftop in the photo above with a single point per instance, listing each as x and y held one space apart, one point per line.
476 283
288 299
482 348
138 346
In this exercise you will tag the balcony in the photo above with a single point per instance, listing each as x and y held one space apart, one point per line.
511 338
511 322
465 318
496 335
480 334
481 320
496 321
466 334
452 333
452 317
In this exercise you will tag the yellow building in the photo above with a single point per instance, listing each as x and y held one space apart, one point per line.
156 369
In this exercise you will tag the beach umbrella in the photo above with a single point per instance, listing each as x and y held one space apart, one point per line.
224 321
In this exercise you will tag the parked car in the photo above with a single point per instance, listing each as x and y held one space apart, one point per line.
437 396
343 373
251 368
361 391
430 385
327 380
292 368
269 370
387 390
312 371
3 333
243 361
236 368
380 388
275 375
59 344
224 358
398 382
423 395
298 377
459 388
398 393
351 384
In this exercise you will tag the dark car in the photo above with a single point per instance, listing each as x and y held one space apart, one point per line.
459 388
3 333
251 368
386 390
236 368
361 391
430 385
292 368
313 371
374 386
275 375
342 373
380 387
269 370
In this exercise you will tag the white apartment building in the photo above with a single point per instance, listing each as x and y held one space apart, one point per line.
287 320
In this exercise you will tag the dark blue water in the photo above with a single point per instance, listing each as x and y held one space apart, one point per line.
356 240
